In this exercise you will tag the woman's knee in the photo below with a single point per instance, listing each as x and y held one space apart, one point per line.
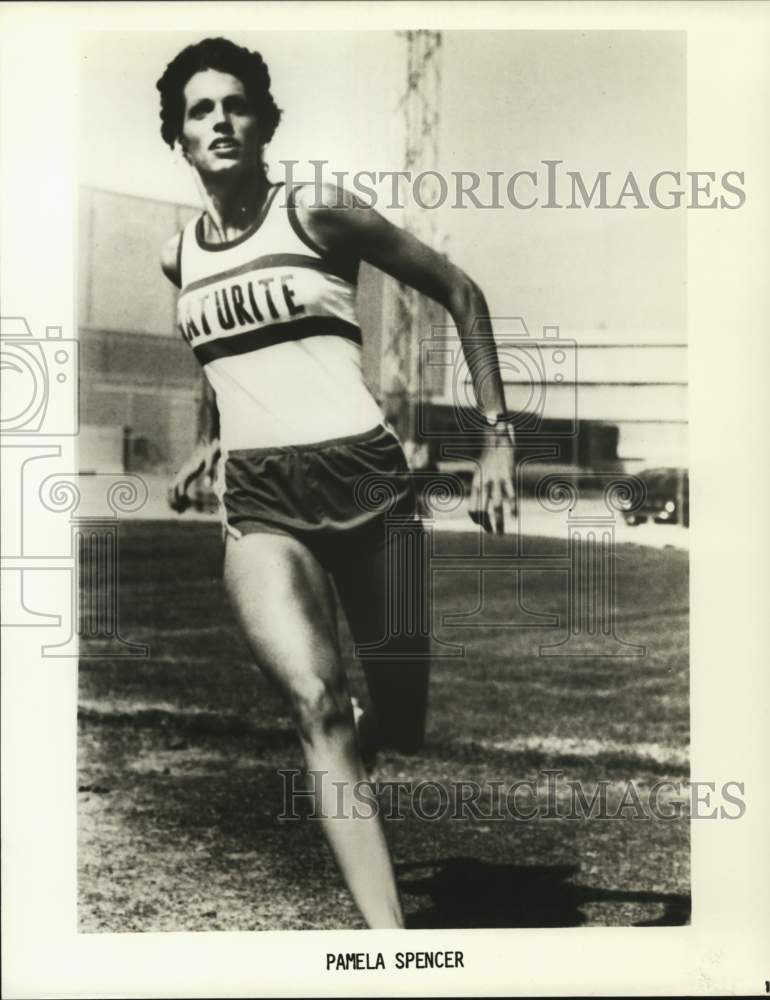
320 706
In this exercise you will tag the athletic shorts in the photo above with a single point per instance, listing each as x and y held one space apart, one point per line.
330 495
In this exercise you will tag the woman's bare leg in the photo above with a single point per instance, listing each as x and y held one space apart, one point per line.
384 591
285 604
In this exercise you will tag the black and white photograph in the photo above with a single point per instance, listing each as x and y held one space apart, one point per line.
542 669
347 503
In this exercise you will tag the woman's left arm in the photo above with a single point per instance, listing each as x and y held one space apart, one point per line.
339 223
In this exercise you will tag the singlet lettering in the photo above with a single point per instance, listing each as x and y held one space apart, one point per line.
192 329
238 306
240 313
254 307
288 295
204 321
266 283
225 317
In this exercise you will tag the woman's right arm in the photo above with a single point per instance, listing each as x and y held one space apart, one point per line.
198 472
169 260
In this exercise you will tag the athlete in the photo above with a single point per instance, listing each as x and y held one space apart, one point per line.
312 480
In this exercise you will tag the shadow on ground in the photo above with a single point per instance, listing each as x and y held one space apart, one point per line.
181 752
467 892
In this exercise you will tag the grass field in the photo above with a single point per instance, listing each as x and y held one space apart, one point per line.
179 794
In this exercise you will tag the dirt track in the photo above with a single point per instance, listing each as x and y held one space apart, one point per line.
179 753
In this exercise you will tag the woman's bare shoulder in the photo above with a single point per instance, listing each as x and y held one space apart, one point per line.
169 259
326 212
312 199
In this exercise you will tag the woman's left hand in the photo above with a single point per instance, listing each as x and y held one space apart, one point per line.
493 481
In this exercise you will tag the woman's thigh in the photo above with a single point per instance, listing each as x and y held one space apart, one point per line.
384 589
284 602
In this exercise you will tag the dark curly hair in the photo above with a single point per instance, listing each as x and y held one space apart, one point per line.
226 57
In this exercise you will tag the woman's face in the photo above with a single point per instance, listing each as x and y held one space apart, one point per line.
219 130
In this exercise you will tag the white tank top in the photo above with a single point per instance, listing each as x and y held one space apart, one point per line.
271 318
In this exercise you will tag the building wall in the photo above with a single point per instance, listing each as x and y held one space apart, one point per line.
636 383
138 375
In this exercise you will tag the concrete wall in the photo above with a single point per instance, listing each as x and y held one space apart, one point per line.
637 384
136 372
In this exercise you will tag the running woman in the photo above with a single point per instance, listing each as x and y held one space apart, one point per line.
267 280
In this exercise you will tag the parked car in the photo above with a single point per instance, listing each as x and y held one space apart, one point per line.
667 499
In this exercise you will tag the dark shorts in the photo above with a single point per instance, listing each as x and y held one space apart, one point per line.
332 495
